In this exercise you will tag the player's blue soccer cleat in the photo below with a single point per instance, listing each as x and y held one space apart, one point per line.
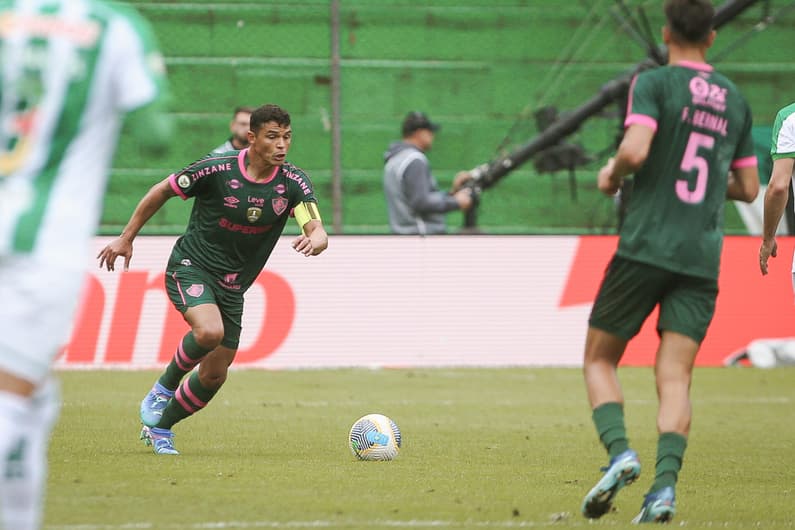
161 440
658 507
622 471
154 403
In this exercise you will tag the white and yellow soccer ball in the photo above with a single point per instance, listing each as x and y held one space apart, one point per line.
374 437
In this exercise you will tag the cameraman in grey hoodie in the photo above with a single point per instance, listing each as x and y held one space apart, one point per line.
414 201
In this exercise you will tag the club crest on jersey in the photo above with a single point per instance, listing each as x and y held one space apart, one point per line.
279 205
253 213
183 181
195 290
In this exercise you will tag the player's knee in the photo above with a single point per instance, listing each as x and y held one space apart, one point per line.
208 337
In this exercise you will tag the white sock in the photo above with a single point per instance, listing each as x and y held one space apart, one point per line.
14 410
24 480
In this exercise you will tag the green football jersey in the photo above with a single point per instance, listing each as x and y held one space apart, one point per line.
783 144
235 222
674 217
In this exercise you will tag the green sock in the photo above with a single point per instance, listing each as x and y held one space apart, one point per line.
609 421
187 356
188 399
670 452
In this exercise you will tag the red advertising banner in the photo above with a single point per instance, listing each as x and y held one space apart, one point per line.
386 301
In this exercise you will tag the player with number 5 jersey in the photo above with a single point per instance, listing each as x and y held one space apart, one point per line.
687 141
702 130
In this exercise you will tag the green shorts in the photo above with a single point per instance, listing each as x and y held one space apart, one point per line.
630 290
189 286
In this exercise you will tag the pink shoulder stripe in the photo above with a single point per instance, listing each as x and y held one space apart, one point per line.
695 65
641 119
748 161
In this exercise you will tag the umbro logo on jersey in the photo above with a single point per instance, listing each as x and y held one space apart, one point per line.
231 202
279 205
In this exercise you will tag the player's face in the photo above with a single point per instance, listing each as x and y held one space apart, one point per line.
239 127
271 143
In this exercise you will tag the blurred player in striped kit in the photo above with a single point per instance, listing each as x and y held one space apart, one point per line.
782 152
688 142
71 73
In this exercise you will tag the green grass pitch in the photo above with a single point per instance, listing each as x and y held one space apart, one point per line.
482 448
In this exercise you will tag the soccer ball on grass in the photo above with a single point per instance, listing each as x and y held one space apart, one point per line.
374 437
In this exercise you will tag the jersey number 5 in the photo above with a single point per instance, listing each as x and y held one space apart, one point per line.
691 161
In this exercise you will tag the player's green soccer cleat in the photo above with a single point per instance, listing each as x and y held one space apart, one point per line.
658 507
161 440
622 471
154 404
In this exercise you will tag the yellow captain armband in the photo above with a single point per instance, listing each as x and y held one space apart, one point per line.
305 212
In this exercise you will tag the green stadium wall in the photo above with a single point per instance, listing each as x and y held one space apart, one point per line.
476 66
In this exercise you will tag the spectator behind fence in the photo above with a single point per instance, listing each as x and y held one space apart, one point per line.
414 202
71 71
238 129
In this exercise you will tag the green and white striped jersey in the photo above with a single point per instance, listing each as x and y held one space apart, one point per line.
69 72
783 145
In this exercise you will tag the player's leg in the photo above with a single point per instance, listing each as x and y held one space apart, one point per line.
624 301
190 291
27 471
207 331
685 315
15 408
196 391
37 310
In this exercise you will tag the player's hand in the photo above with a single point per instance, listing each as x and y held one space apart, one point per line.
118 247
304 245
605 181
768 249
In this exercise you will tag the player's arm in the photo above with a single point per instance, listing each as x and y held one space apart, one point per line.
630 156
154 199
743 184
775 203
314 238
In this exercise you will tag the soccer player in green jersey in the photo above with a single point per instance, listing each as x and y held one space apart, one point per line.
242 200
782 151
688 142
72 72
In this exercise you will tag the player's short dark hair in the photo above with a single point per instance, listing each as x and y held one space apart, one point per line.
266 113
690 20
